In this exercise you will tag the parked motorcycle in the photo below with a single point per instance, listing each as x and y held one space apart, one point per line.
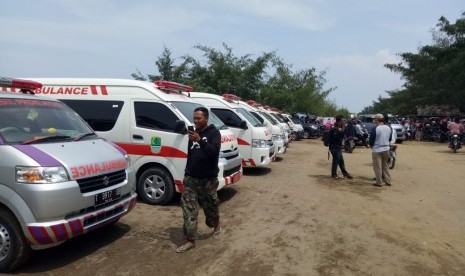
392 156
455 143
349 144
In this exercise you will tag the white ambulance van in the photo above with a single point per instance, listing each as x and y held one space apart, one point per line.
280 120
276 129
58 179
255 140
148 120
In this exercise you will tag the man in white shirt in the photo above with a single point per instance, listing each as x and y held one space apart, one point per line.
380 137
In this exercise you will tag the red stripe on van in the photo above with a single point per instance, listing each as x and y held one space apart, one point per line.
93 89
242 142
104 89
147 150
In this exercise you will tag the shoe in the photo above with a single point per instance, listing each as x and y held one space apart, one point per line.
216 233
348 176
388 184
377 185
185 247
335 177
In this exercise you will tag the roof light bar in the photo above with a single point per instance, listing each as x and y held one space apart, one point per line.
231 97
20 84
253 103
170 86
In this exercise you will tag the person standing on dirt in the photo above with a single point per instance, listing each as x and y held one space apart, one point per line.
380 137
336 135
201 178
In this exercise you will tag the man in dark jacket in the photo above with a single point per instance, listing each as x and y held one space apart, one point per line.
201 178
336 135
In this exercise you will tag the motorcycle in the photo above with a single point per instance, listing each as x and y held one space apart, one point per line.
455 142
349 144
392 156
362 140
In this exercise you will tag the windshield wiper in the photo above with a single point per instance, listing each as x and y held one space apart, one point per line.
45 139
84 135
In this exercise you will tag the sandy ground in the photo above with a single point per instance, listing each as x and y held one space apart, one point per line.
292 219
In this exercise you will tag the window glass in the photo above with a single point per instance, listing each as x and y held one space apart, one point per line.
277 117
249 117
154 116
187 109
39 121
270 118
228 117
100 115
258 117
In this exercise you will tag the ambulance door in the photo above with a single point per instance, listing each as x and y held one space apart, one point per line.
155 142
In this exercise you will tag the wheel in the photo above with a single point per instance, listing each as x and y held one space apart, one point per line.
294 136
156 186
14 250
350 149
306 135
391 163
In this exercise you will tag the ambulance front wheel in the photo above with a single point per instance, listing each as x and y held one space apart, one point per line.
155 186
14 250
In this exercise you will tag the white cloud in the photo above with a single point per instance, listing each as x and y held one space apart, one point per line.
298 13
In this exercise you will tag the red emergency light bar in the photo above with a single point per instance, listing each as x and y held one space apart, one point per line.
253 103
20 84
170 86
231 97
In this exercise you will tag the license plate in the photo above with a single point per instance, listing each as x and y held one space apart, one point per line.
108 196
236 177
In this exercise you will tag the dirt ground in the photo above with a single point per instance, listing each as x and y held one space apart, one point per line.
292 219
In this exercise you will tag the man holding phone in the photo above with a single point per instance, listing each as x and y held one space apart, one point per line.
201 178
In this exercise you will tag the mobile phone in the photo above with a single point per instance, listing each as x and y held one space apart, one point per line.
190 128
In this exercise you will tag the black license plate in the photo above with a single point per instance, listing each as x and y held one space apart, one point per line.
107 196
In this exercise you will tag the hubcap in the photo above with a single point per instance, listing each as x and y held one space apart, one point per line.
154 187
5 243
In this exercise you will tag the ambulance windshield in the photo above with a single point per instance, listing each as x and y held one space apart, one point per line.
26 121
187 109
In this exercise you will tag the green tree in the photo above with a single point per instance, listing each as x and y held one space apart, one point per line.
433 76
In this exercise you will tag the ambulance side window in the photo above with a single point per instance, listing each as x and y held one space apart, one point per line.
154 116
100 115
228 117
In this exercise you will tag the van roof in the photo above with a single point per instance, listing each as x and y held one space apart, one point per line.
149 86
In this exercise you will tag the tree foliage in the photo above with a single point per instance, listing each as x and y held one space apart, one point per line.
266 79
433 76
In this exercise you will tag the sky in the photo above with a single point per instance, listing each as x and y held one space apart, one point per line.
350 40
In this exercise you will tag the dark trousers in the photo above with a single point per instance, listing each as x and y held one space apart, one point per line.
338 160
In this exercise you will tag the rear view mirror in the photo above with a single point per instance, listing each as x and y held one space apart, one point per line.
180 127
243 125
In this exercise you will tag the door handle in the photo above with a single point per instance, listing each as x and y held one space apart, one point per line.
136 136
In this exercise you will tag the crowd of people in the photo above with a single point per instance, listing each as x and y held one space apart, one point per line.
433 128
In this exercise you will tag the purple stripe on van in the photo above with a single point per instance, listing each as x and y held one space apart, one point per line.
39 156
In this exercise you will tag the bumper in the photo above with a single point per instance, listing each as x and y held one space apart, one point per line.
260 158
47 234
279 144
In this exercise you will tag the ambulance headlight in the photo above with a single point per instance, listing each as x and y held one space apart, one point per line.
128 160
41 175
258 143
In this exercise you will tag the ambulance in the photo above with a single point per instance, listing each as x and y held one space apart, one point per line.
275 114
276 129
58 179
148 120
255 140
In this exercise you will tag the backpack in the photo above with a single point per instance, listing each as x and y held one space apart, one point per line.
326 138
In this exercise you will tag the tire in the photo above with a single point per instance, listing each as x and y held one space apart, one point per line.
294 136
14 250
391 163
156 186
350 149
306 135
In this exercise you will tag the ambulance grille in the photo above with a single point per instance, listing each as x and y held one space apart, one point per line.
98 182
231 171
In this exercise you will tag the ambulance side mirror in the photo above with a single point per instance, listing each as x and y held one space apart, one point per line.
180 127
243 125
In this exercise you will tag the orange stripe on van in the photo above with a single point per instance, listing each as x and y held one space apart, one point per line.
147 150
242 142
